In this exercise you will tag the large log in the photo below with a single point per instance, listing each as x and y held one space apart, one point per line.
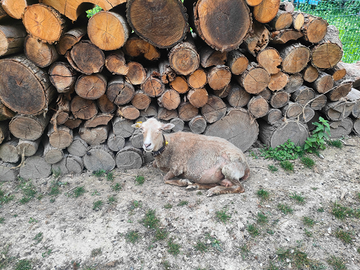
99 157
16 8
35 168
266 10
323 83
108 30
340 129
62 76
170 99
338 110
340 90
115 62
11 39
187 111
136 46
180 85
295 57
129 158
24 88
222 25
238 127
255 79
184 58
119 91
42 54
161 23
91 86
28 127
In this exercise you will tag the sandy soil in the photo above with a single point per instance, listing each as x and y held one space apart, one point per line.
65 232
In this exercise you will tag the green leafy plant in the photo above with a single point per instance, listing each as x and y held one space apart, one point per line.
317 141
110 176
285 151
308 233
132 237
308 162
215 243
335 143
263 194
173 248
150 220
344 236
168 206
253 230
287 165
308 221
38 238
222 216
261 218
99 173
272 168
116 187
160 234
79 191
111 200
93 11
5 198
23 265
29 192
336 263
140 180
97 205
183 203
298 198
96 252
200 246
284 208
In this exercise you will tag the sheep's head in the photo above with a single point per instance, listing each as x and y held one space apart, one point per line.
152 132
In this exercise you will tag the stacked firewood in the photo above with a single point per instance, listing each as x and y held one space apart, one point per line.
71 88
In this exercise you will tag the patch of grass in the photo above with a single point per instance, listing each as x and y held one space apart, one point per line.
269 231
2 220
110 177
341 212
99 173
308 221
344 236
5 198
139 180
308 162
79 191
111 200
160 234
298 198
116 187
96 252
336 263
200 246
308 233
23 265
173 248
29 192
135 204
54 191
272 267
95 193
285 208
244 251
335 143
321 210
166 264
261 218
97 205
215 243
272 168
199 193
132 237
150 221
168 206
222 216
253 230
38 238
287 165
183 203
252 153
46 253
263 194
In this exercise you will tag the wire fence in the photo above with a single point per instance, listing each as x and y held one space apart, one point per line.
345 15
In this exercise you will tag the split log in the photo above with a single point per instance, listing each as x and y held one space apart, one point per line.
178 124
128 112
44 23
180 85
314 28
338 110
280 132
105 105
255 79
184 58
115 142
294 82
310 73
167 74
354 95
35 167
129 158
223 93
284 36
91 86
115 63
235 23
278 81
108 30
78 146
99 157
5 112
152 85
73 122
198 97
210 57
101 119
119 91
136 46
258 106
266 10
238 127
197 79
187 111
270 59
166 115
292 110
86 58
141 101
170 100
26 89
303 95
318 102
340 129
83 108
326 55
237 96
340 90
28 127
214 109
42 54
69 39
258 38
295 58
8 172
136 73
167 21
8 151
26 148
356 126
51 154
273 116
338 72
94 136
11 39
282 20
62 76
198 124
237 62
69 165
323 83
218 77
60 138
279 99
298 20
122 127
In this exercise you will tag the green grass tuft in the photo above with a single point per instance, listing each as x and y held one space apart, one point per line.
97 205
116 187
253 230
222 216
110 176
96 252
272 168
308 221
160 234
79 191
336 263
132 237
308 162
140 180
263 194
335 143
298 198
287 165
173 248
150 220
200 246
23 265
261 218
182 203
344 236
284 208
99 173
168 206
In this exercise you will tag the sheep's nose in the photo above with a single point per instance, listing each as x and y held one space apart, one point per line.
147 145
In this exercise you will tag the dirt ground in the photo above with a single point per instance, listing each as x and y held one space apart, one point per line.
62 231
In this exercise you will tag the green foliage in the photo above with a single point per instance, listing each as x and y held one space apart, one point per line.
261 218
173 248
111 200
344 236
287 165
93 11
140 180
298 198
253 230
335 143
160 234
116 187
308 162
5 198
110 176
336 263
23 265
285 151
341 212
308 221
321 210
168 206
99 173
38 238
132 237
150 220
182 203
272 267
96 252
216 244
272 168
284 208
79 191
2 220
167 265
317 141
222 216
263 194
308 233
97 205
200 246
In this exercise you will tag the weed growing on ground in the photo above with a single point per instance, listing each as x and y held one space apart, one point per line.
308 221
167 265
284 208
38 238
28 190
308 233
139 180
97 205
150 220
335 143
160 234
298 198
46 253
252 153
261 218
2 220
287 165
341 212
344 236
132 237
33 220
336 263
253 230
96 252
321 210
99 173
317 140
285 151
272 267
263 194
135 204
110 176
5 198
173 248
244 251
222 216
111 200
308 162
182 203
56 173
79 191
54 191
216 244
23 265
168 206
272 168
200 246
116 187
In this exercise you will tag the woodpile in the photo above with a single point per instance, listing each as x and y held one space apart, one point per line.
71 87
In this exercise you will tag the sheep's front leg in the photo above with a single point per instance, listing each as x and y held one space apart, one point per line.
225 190
178 182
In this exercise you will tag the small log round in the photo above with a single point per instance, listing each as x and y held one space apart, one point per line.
69 39
184 58
122 127
105 105
179 84
8 151
278 81
258 106
62 76
42 54
115 142
198 124
323 83
136 73
128 112
69 165
94 136
187 111
115 62
237 96
255 79
198 97
91 86
279 99
318 102
119 91
141 101
153 86
166 115
179 124
8 173
170 100
237 62
35 168
60 138
129 158
343 128
101 119
294 82
210 57
266 10
99 157
273 116
78 147
295 57
218 77
197 79
303 95
310 74
214 109
51 154
83 108
270 59
292 110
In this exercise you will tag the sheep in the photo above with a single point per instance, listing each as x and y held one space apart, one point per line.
201 162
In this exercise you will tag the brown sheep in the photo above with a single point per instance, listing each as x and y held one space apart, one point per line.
201 162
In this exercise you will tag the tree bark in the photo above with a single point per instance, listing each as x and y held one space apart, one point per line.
258 38
209 57
314 28
284 36
42 54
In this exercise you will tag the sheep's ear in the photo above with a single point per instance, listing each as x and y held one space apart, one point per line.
137 125
168 126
